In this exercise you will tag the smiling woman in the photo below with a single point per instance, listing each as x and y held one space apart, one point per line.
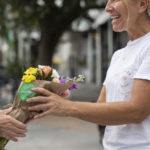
129 15
124 102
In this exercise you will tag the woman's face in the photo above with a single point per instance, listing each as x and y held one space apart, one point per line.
124 14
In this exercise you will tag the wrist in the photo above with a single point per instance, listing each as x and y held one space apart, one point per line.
72 109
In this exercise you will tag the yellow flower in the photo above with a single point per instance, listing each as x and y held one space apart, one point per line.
31 70
28 78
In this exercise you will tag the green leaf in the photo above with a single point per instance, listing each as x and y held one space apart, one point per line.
43 75
25 91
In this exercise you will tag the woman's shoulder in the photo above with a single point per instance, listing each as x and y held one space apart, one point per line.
118 52
145 51
146 43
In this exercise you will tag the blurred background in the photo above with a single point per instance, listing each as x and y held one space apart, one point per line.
73 36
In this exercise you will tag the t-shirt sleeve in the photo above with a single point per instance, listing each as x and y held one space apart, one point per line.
144 69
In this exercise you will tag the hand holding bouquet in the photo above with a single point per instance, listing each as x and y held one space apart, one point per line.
43 77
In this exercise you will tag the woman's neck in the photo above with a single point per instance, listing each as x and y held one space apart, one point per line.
140 28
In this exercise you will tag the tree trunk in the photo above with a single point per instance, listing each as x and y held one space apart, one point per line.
52 29
47 47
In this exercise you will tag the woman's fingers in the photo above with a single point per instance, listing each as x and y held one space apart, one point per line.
18 124
11 134
40 99
11 128
13 138
18 130
41 91
39 107
14 133
7 111
10 138
41 115
15 130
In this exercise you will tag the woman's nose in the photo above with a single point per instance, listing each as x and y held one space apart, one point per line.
108 7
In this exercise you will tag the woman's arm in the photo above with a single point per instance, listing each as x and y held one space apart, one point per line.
102 96
133 111
114 113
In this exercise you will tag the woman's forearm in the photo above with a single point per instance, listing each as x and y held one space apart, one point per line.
106 113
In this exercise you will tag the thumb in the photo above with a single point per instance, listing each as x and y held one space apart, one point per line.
7 111
41 91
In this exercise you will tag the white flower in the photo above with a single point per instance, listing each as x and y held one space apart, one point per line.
56 80
55 74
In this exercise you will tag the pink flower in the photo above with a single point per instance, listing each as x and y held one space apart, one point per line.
46 70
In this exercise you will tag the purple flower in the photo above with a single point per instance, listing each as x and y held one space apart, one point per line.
62 80
73 87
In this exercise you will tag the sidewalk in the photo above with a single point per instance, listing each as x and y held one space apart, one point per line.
59 133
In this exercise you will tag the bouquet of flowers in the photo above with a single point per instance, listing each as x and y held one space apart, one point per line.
42 76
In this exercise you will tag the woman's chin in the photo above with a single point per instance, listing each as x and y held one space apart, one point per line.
117 29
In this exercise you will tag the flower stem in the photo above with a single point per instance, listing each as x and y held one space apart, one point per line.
3 143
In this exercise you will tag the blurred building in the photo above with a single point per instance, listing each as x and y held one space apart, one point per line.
88 49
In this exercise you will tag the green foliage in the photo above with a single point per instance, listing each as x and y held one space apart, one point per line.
30 13
14 69
51 17
49 77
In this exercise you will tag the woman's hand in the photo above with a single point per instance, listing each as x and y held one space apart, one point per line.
50 103
10 128
65 94
5 111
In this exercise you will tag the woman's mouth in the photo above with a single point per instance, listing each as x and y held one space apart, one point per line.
115 18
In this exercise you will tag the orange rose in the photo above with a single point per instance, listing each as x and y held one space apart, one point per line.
46 70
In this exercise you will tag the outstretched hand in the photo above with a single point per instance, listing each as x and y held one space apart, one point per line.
5 111
11 128
49 103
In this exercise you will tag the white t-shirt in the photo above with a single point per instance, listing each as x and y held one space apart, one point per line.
128 63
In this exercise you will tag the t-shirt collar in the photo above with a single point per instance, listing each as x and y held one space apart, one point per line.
138 39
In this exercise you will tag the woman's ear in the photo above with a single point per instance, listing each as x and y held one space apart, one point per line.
143 5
